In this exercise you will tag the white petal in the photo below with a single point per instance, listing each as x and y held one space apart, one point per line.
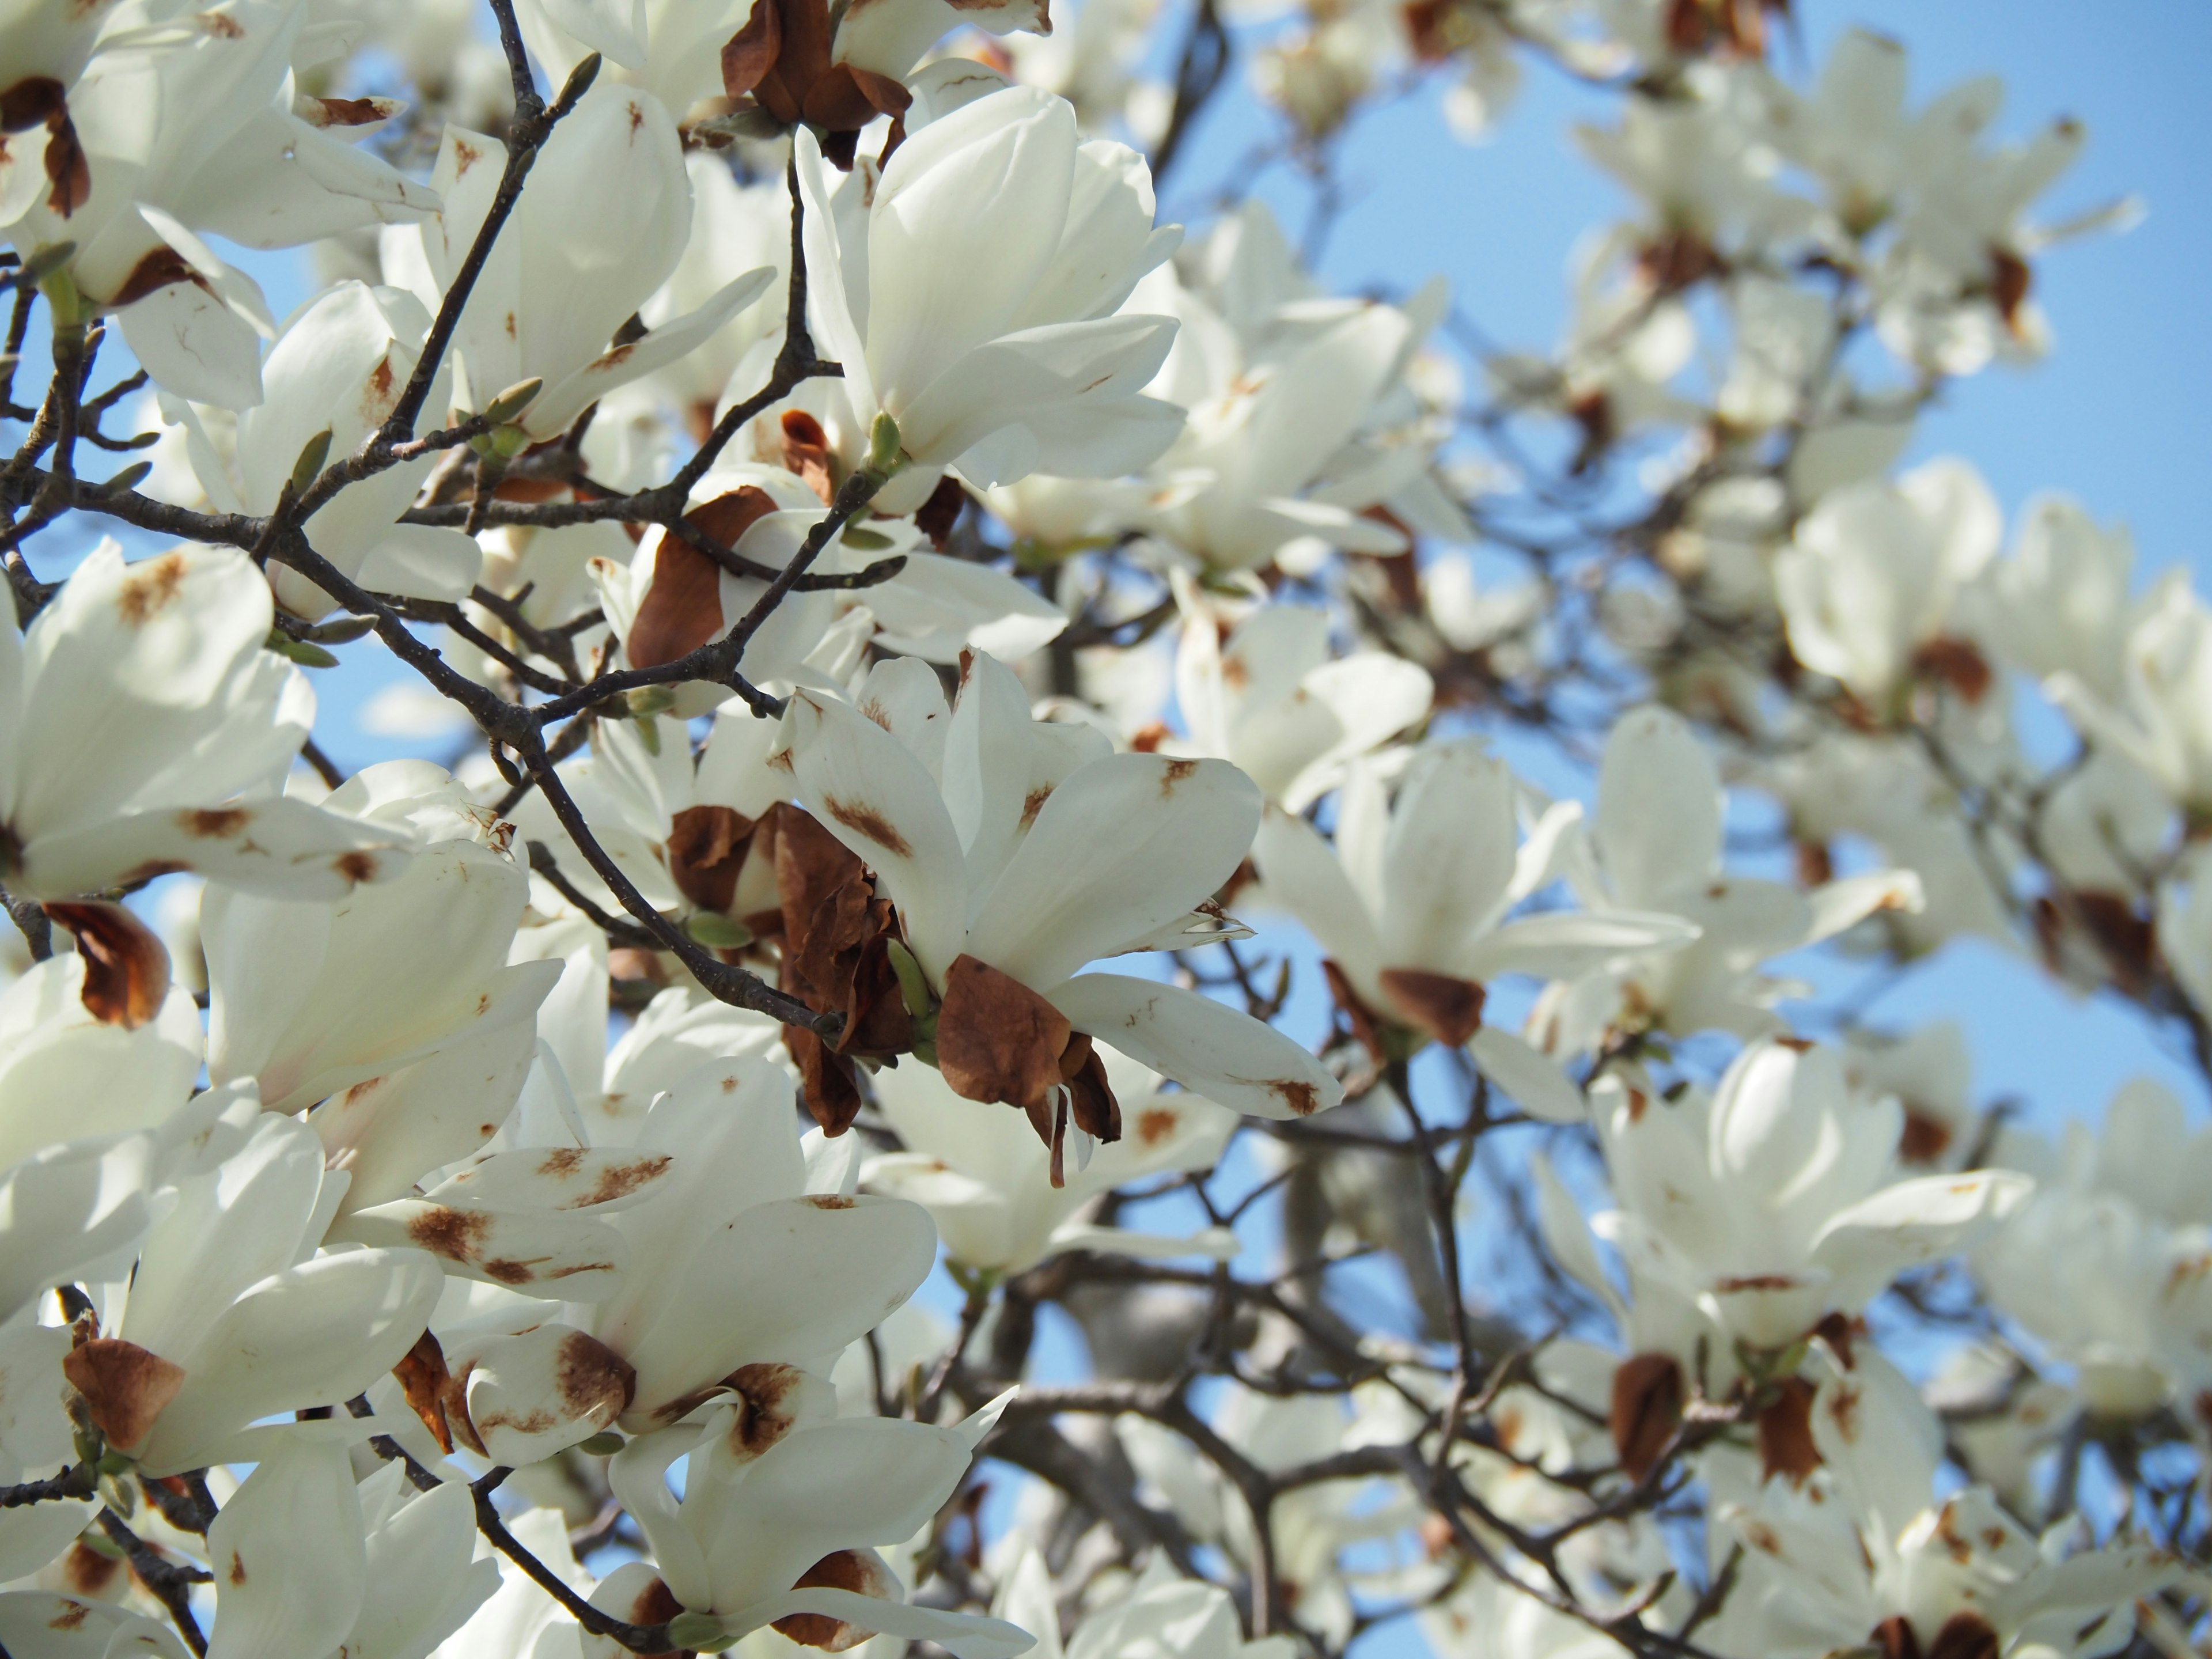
1207 1046
289 1557
1534 1081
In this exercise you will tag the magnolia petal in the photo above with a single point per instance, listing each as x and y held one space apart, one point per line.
531 1395
1208 1047
573 1258
280 847
289 1556
1534 1081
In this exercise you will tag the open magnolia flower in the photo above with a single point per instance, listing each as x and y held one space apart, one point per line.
179 130
1856 1549
730 1259
1656 848
336 371
783 1512
1015 853
232 1314
1411 905
147 731
414 1060
1748 1217
989 1192
973 293
1271 701
550 302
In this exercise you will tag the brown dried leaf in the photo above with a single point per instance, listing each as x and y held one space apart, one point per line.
123 1385
996 1038
126 970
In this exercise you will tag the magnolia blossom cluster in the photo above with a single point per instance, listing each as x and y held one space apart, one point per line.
955 1015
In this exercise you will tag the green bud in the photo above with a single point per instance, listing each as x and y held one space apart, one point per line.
309 466
649 700
648 733
300 651
62 299
866 541
717 932
703 1632
884 454
341 630
100 1544
130 479
47 261
114 1463
925 1051
914 985
580 80
513 401
606 1444
509 441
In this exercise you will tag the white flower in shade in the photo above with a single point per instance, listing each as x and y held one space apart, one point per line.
784 1506
989 1192
394 1008
338 366
1869 585
195 126
730 1259
2107 1265
1300 419
1772 1203
1161 1614
1016 852
2159 715
1272 700
143 729
974 296
1411 907
600 228
232 1314
1860 1552
306 1561
1655 849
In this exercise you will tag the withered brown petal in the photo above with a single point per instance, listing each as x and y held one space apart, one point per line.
938 515
1448 1009
1647 1409
844 1569
706 848
1963 1636
1893 1639
1365 1025
593 1379
424 1382
126 969
996 1038
1096 1112
1786 1447
123 1385
825 1080
806 452
751 53
683 608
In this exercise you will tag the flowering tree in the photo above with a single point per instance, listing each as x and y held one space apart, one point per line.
480 1206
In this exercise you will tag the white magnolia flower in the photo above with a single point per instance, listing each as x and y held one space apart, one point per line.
1018 852
1273 701
232 1314
337 367
393 1007
974 295
600 228
784 1505
1867 586
2158 715
146 731
204 131
1411 907
1861 1554
306 1561
1771 1203
2059 604
989 1192
1161 1613
1655 849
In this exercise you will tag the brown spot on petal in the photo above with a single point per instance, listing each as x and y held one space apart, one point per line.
1956 663
123 1385
237 1574
1155 1124
620 1180
1174 774
349 112
829 1201
215 823
71 1615
996 1038
594 1381
148 588
767 1407
870 824
1925 1138
857 1571
1647 1409
85 1571
1303 1098
1448 1009
1785 1434
455 1235
356 866
126 970
561 1161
